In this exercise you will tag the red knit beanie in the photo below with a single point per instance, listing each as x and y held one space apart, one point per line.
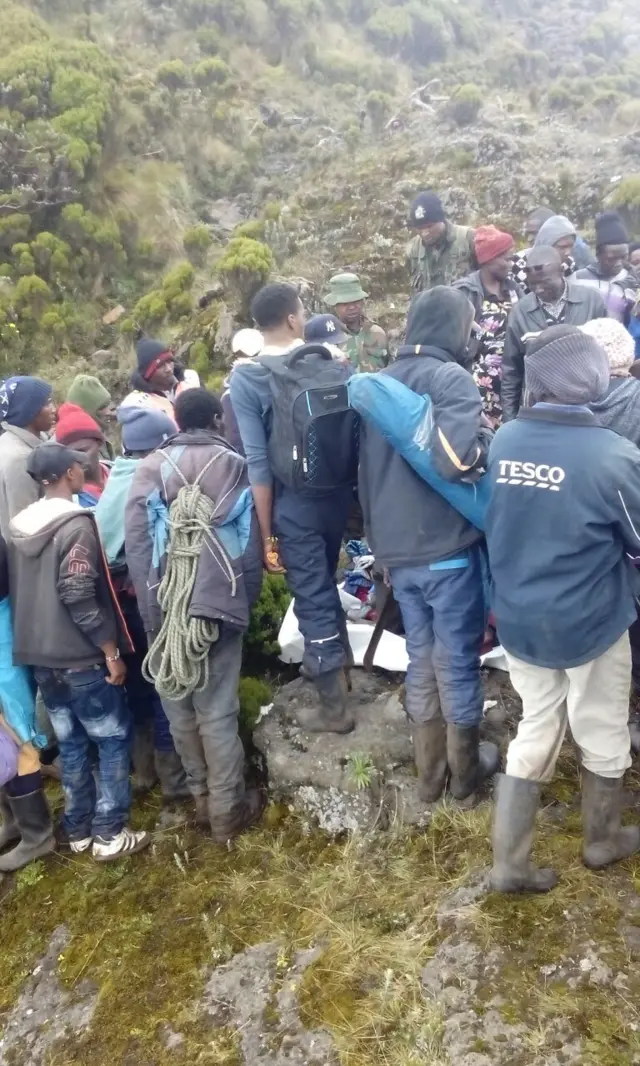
75 424
490 242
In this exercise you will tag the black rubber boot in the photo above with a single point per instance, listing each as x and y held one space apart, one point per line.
514 818
605 841
9 832
247 813
331 714
430 754
173 779
33 819
471 761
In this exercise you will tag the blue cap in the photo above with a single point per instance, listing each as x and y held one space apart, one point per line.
324 329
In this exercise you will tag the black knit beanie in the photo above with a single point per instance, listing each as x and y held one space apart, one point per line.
426 208
610 229
149 352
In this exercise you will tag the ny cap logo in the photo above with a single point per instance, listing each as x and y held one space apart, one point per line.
330 327
419 212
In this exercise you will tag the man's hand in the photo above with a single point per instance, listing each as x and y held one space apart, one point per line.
117 672
271 557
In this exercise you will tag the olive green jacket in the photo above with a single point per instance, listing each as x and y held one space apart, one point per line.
441 264
368 349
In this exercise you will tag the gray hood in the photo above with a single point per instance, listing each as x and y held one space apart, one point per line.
619 408
557 227
33 529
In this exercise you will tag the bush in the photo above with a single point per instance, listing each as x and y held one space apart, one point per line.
197 241
253 229
465 104
254 694
174 75
245 266
627 193
199 359
378 108
390 29
266 617
211 72
628 115
566 95
209 40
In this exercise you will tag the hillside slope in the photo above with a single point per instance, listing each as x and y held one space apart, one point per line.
138 135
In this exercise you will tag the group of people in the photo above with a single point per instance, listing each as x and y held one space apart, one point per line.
131 577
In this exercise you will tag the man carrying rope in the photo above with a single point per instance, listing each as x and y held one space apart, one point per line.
194 555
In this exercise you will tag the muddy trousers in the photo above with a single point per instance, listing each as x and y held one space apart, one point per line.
205 730
593 700
310 531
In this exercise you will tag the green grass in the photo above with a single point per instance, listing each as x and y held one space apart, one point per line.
146 931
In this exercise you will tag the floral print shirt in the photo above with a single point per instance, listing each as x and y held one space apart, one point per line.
487 366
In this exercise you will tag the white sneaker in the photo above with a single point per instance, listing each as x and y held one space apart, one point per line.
125 843
79 846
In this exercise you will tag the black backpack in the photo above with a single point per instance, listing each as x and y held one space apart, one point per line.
313 445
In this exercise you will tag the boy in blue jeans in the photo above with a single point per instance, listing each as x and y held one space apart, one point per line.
68 627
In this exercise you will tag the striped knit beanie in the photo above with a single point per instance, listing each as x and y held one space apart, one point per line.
563 365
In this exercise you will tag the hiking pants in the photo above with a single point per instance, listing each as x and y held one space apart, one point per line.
205 730
443 611
592 699
85 710
310 531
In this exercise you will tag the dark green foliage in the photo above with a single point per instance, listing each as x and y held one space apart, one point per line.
210 72
465 104
245 266
254 694
197 241
173 74
379 108
266 617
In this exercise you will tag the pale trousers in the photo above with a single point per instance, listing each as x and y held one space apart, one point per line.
593 700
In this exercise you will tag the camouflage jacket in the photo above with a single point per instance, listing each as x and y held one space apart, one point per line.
368 349
441 264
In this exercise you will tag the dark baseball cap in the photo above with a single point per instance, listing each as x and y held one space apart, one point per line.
50 461
324 329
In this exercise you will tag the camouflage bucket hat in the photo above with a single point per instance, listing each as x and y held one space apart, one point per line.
344 289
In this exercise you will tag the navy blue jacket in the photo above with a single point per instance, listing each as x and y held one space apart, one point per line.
563 518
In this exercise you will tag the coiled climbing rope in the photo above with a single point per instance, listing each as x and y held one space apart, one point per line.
177 662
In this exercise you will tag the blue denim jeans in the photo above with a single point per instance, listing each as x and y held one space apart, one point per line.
443 611
84 708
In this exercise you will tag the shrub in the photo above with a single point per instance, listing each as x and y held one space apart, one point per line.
32 295
628 115
428 41
197 241
390 29
211 72
209 40
174 75
199 359
245 266
627 193
253 229
378 108
179 306
266 617
13 228
465 104
254 694
565 95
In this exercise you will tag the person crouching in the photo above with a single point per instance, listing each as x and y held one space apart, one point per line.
564 512
66 625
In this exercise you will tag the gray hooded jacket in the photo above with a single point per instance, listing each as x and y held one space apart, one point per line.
227 578
408 523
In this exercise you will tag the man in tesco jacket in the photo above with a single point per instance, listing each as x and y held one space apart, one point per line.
563 519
